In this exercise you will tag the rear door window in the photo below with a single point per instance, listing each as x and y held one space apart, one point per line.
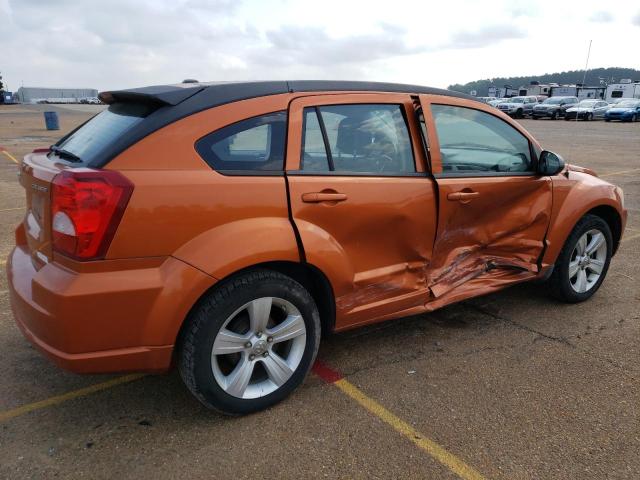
357 138
256 144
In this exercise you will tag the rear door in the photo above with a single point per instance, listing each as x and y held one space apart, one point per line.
362 202
494 209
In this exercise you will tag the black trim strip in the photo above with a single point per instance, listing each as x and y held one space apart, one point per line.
356 174
325 139
250 173
485 174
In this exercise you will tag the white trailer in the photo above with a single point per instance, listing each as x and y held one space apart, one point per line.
624 89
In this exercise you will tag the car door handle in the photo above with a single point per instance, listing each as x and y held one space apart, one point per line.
317 197
462 197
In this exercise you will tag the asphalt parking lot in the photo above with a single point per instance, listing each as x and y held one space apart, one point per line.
513 385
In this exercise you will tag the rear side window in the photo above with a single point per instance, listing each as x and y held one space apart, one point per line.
360 138
255 144
104 129
475 142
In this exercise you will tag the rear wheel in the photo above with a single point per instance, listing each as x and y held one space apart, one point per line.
583 262
250 342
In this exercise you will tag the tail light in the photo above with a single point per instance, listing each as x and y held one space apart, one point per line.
86 208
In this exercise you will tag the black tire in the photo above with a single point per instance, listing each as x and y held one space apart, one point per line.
607 119
208 317
634 118
554 115
589 117
519 113
559 283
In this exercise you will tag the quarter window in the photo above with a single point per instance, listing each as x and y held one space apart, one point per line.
362 138
253 144
474 142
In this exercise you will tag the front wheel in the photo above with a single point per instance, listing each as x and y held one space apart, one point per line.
583 262
589 117
250 342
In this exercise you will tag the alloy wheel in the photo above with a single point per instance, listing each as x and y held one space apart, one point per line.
587 260
258 348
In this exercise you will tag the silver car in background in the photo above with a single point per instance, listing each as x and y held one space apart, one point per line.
518 107
587 110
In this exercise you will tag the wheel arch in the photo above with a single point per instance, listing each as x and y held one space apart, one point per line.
309 276
613 219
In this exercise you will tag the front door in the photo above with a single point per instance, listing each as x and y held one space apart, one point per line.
494 208
362 202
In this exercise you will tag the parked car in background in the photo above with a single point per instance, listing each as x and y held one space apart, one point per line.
224 228
587 110
487 99
518 106
625 111
553 107
497 101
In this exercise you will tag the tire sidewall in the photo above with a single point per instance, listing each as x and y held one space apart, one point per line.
217 314
589 222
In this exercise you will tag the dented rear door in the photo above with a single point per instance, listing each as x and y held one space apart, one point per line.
362 202
494 209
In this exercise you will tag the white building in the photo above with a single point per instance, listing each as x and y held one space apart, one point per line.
71 95
625 89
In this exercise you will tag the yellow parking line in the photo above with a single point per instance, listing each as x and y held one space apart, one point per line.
621 172
30 407
11 209
10 156
454 464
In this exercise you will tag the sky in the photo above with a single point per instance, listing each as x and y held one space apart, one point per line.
129 43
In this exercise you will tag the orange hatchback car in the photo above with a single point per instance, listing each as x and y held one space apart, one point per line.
224 227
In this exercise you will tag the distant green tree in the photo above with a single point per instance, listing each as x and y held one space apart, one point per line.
594 77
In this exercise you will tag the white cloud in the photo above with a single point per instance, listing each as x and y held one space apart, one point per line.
601 16
120 43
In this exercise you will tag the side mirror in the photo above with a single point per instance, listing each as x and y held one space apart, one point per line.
550 163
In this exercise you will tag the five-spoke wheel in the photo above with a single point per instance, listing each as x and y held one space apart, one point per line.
258 347
250 342
583 261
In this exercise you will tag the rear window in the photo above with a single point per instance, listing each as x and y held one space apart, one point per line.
110 124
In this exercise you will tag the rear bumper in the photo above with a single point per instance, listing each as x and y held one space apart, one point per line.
109 321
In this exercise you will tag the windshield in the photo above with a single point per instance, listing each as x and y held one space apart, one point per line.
553 101
103 129
587 103
516 100
628 103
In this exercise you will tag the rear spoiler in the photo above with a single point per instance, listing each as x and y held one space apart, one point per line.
160 95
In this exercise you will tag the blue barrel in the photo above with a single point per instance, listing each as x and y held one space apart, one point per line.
51 120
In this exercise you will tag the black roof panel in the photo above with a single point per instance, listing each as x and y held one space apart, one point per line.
178 101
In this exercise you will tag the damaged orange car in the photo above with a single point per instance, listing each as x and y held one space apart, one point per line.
225 227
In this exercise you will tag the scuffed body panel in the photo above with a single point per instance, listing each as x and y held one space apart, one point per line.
495 239
374 249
